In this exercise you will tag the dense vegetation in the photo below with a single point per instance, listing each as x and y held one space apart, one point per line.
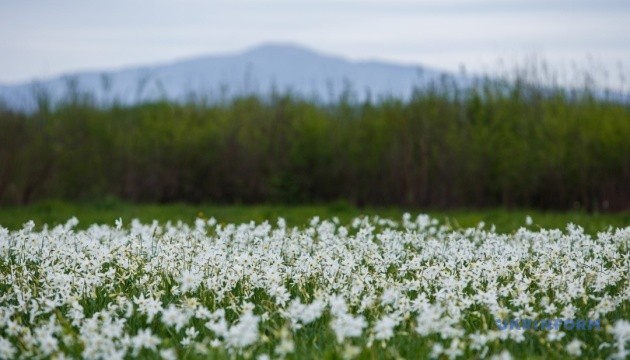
514 145
370 288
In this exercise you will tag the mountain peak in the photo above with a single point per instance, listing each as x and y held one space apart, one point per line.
260 70
280 48
286 51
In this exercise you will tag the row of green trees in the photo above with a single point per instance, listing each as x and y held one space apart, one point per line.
491 145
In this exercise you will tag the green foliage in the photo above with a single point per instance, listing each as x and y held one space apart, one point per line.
107 211
496 144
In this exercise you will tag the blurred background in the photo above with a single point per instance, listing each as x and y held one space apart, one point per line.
417 104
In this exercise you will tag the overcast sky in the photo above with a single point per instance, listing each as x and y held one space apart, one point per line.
42 38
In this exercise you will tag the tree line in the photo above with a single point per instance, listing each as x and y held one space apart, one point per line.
495 144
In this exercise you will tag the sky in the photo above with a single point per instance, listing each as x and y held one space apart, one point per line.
44 38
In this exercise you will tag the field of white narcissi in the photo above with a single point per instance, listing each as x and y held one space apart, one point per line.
373 288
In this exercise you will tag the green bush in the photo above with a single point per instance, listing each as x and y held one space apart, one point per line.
495 144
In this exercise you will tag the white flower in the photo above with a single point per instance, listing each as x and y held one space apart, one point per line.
47 342
415 274
144 340
574 348
245 332
172 316
192 333
148 306
337 305
390 296
218 326
436 350
305 314
215 343
189 281
346 325
621 333
384 328
168 354
555 335
280 294
7 350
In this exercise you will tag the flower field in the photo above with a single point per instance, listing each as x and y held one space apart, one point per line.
371 288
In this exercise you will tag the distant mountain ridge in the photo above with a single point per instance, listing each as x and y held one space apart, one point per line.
260 70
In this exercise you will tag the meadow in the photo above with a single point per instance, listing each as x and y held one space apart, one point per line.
484 222
340 286
52 213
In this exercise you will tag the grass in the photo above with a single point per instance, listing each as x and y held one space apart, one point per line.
106 212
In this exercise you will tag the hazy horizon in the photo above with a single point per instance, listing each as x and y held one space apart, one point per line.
41 40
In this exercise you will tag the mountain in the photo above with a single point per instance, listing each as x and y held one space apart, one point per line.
261 70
